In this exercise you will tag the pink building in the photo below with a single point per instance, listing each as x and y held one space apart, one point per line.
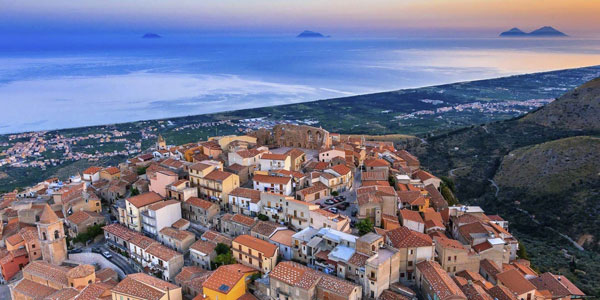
160 180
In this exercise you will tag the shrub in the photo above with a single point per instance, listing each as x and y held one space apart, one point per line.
364 226
263 217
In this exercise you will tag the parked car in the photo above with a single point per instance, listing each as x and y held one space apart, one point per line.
354 213
329 202
333 210
96 250
321 205
107 254
75 250
343 206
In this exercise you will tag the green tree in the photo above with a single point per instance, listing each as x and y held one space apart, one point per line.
225 259
141 170
221 248
522 252
134 191
92 232
263 217
334 193
448 195
364 226
392 180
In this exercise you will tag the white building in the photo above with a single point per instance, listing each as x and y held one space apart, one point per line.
160 215
274 184
271 161
328 155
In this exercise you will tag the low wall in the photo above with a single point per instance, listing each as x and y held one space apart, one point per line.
95 258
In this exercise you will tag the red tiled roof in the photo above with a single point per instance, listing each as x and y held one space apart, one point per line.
439 281
226 277
341 169
376 162
273 156
197 202
272 179
516 282
559 285
251 194
112 170
257 244
239 218
205 247
403 237
144 199
411 215
217 175
92 170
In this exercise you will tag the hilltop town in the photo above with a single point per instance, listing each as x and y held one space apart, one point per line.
286 211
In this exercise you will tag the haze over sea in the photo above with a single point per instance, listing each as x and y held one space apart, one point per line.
50 82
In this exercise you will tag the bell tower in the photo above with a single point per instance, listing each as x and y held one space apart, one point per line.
160 142
52 237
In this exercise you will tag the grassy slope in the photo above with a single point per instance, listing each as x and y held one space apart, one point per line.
548 171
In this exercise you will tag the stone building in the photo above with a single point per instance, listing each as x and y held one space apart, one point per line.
299 136
52 237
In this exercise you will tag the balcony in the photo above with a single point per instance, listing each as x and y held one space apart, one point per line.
303 219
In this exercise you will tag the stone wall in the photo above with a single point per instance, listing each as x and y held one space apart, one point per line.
297 136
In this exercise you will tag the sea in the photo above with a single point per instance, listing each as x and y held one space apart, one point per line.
63 81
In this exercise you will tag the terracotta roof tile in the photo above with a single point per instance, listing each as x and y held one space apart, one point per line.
273 156
205 247
33 289
272 179
226 277
217 175
257 244
251 194
144 199
162 252
516 282
439 281
197 202
241 219
265 228
403 237
411 215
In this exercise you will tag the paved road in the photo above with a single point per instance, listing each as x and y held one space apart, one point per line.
117 259
495 186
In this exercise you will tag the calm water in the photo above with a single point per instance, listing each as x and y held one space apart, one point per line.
57 82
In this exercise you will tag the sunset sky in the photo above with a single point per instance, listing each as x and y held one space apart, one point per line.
341 17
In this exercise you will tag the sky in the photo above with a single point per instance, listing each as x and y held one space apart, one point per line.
340 17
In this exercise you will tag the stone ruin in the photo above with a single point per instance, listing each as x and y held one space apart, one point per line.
297 136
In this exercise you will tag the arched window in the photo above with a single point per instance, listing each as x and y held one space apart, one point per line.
56 234
43 236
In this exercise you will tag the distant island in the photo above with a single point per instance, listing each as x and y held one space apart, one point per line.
546 31
151 36
310 34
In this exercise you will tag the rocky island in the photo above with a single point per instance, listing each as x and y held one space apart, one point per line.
310 34
151 36
546 31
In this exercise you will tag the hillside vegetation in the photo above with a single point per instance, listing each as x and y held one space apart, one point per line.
547 171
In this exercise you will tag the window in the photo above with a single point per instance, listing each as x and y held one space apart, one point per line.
449 258
454 257
410 263
411 251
